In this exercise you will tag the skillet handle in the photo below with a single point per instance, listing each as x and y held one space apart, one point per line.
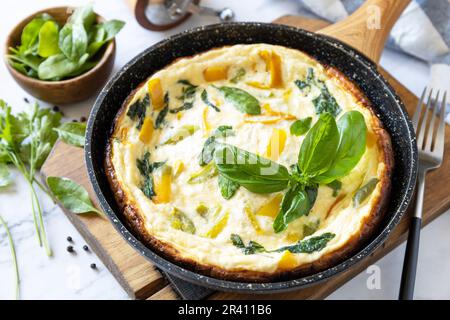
368 28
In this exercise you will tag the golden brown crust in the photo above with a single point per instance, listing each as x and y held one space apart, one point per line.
136 221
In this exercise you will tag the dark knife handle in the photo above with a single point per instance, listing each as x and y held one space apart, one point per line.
410 262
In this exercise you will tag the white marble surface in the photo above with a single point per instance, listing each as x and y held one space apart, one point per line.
66 276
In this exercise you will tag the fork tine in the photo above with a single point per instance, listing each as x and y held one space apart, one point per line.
422 125
429 136
418 111
438 147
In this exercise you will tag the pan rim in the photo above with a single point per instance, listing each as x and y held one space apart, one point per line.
249 287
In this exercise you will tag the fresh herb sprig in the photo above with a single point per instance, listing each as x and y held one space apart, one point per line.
14 258
329 151
50 52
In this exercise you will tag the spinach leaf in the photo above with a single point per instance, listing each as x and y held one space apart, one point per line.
241 100
146 168
325 102
352 145
309 245
253 172
73 37
207 154
58 66
227 187
300 127
364 192
30 34
336 185
319 147
204 97
252 247
308 82
295 204
4 175
72 133
185 106
181 221
188 90
48 39
238 76
103 33
163 113
71 195
138 109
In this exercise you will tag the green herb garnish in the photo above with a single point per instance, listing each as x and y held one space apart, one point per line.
163 113
138 109
207 154
146 168
227 187
14 258
72 133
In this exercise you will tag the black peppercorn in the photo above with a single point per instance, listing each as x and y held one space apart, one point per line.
26 100
85 248
56 108
69 238
69 249
93 266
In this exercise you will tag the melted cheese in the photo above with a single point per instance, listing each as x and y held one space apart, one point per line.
338 217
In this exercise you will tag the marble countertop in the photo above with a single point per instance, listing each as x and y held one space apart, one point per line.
69 276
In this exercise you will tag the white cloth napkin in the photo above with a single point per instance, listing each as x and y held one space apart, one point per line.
422 31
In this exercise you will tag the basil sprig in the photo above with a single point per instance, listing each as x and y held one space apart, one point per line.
329 151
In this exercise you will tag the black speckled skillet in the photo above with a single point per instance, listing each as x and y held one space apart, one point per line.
356 65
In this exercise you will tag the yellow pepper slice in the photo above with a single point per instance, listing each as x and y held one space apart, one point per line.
273 66
178 167
156 93
205 124
146 133
163 188
271 208
258 85
287 261
219 226
215 73
276 144
252 218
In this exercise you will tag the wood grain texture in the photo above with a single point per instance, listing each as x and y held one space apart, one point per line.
368 28
142 280
135 274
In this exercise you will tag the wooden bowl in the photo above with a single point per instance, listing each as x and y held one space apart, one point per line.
65 91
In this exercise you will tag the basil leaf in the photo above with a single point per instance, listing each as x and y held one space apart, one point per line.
300 127
319 146
352 145
227 187
181 221
204 97
364 192
253 172
325 102
138 109
309 245
59 66
72 133
295 204
71 195
241 100
48 39
4 175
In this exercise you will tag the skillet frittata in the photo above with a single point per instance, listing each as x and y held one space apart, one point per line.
250 163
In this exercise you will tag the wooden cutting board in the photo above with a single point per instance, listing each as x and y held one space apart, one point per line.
142 281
